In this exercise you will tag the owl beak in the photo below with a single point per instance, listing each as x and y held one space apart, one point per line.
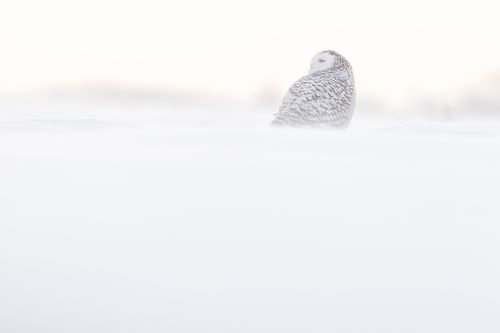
321 60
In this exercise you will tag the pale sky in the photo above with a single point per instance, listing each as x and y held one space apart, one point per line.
237 49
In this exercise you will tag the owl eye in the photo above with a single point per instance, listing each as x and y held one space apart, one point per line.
321 60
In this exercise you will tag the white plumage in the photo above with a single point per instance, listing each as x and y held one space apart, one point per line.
323 98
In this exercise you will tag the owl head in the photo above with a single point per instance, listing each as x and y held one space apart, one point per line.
328 59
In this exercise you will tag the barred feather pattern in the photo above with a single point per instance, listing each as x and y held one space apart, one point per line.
322 99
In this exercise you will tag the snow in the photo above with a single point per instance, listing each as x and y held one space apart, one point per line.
146 218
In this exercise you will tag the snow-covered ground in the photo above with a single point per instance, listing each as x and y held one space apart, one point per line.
144 218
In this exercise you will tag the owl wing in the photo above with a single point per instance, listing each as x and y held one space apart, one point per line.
314 103
317 113
298 93
288 100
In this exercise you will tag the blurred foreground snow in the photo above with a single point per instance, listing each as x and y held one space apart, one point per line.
150 220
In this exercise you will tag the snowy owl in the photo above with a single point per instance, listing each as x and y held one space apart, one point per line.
324 98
